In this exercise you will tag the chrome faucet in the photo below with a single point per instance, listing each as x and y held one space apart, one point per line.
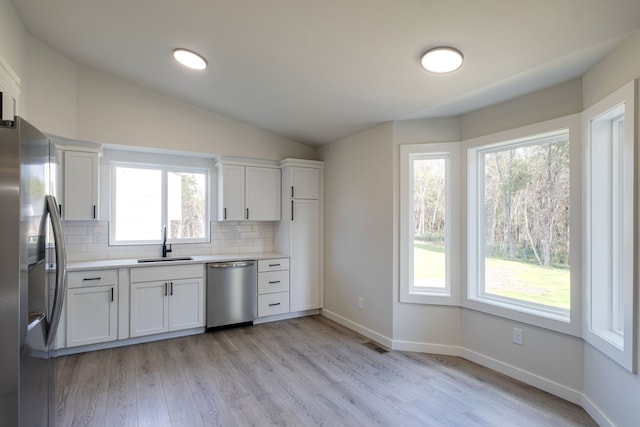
165 250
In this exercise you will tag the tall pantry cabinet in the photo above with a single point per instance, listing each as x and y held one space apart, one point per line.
299 233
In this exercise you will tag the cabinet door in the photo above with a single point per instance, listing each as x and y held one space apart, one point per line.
262 194
80 186
149 308
305 183
231 193
186 303
92 315
304 263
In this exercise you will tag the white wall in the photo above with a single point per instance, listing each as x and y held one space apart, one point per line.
557 101
49 96
608 387
113 111
358 223
12 37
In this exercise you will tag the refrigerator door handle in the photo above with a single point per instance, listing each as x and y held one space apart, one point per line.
61 269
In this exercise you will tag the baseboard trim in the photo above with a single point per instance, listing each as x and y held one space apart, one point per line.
285 316
372 335
595 412
419 347
526 377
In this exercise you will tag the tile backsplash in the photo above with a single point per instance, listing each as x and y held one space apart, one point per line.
89 241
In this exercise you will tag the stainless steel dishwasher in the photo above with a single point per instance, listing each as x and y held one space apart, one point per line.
231 293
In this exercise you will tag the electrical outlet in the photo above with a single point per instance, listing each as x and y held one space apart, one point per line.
97 237
360 303
518 336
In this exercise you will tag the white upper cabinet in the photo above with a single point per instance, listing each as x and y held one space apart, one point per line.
248 192
231 192
304 183
81 185
262 194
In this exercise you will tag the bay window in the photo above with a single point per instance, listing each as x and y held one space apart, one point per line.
521 225
609 226
429 192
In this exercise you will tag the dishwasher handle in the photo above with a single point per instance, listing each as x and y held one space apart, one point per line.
231 264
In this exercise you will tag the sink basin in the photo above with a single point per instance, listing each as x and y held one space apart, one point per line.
175 258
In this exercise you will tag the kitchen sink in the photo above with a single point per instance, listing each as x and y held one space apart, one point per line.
166 259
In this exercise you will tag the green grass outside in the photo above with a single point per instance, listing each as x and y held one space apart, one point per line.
512 279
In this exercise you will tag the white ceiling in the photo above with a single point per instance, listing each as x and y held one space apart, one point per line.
317 71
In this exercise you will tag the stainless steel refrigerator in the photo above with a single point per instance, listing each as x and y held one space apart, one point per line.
32 276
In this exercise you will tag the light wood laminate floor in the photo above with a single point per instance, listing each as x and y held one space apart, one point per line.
307 371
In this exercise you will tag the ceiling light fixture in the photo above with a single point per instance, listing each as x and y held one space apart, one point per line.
442 59
190 59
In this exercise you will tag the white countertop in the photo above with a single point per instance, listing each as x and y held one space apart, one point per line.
198 259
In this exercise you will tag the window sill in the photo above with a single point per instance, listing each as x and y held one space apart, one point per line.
430 298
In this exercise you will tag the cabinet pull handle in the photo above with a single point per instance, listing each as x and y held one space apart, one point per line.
274 282
225 213
88 279
166 288
60 210
292 210
292 191
111 294
274 265
273 304
247 213
171 288
94 211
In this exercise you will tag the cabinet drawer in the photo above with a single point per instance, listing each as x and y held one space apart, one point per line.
273 264
174 272
78 279
270 304
273 281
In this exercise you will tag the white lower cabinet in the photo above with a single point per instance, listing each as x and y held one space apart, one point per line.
166 299
185 304
149 308
92 307
273 287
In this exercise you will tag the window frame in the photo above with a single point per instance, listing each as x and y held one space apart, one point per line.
473 295
613 334
450 295
165 169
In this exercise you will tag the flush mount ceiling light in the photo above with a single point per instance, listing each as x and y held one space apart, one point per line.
442 59
189 59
